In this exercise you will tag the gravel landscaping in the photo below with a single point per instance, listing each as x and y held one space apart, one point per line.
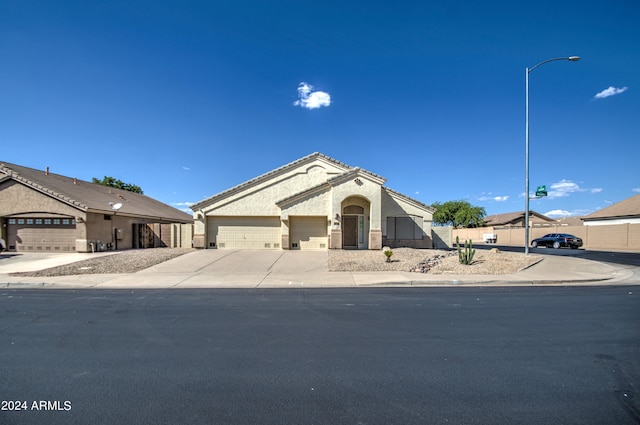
431 261
120 262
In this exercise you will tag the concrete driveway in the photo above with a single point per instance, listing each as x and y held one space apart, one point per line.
16 262
221 261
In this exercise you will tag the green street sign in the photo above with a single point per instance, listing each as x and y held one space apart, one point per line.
541 191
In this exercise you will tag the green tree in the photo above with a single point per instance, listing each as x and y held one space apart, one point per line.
458 214
118 184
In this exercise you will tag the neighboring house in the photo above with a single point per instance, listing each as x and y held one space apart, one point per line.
516 219
569 221
315 202
623 212
45 212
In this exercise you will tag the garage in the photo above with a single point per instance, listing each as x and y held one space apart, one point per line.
308 232
244 232
41 234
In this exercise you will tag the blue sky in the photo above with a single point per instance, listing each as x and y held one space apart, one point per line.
188 98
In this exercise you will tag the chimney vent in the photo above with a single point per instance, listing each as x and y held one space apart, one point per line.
46 171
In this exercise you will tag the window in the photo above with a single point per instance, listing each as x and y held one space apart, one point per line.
47 221
406 228
12 221
38 221
353 209
65 221
56 221
29 221
21 221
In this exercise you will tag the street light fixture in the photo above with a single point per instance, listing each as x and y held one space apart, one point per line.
526 189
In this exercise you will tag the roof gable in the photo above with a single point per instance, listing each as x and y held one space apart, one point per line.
90 197
335 167
512 217
629 207
409 200
353 173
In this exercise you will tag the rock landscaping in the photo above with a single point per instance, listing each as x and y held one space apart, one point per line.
494 262
120 262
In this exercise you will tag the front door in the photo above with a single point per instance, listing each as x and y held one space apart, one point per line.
350 231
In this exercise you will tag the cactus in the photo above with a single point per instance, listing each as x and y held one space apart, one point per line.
466 256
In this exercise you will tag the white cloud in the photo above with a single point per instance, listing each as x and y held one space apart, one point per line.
183 206
558 213
493 198
565 213
185 168
564 188
636 189
611 91
310 99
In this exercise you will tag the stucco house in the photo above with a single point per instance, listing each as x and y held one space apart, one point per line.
516 219
315 202
626 211
45 212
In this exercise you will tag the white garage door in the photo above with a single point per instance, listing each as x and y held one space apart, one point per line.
308 233
244 232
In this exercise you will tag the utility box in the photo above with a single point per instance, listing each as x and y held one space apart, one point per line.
119 234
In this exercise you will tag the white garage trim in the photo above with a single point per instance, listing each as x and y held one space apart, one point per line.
244 232
308 232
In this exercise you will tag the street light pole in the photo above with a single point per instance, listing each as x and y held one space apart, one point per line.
526 168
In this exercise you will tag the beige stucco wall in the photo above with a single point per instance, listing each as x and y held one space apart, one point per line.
368 190
617 237
315 204
395 206
19 199
260 199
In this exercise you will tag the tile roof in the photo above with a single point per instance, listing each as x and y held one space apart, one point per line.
629 207
349 174
508 218
408 199
86 196
569 221
275 172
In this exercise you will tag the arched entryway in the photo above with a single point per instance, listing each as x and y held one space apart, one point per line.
355 223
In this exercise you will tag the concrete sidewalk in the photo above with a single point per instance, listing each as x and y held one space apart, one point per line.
202 269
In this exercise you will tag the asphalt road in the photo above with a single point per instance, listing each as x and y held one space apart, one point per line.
617 257
553 355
